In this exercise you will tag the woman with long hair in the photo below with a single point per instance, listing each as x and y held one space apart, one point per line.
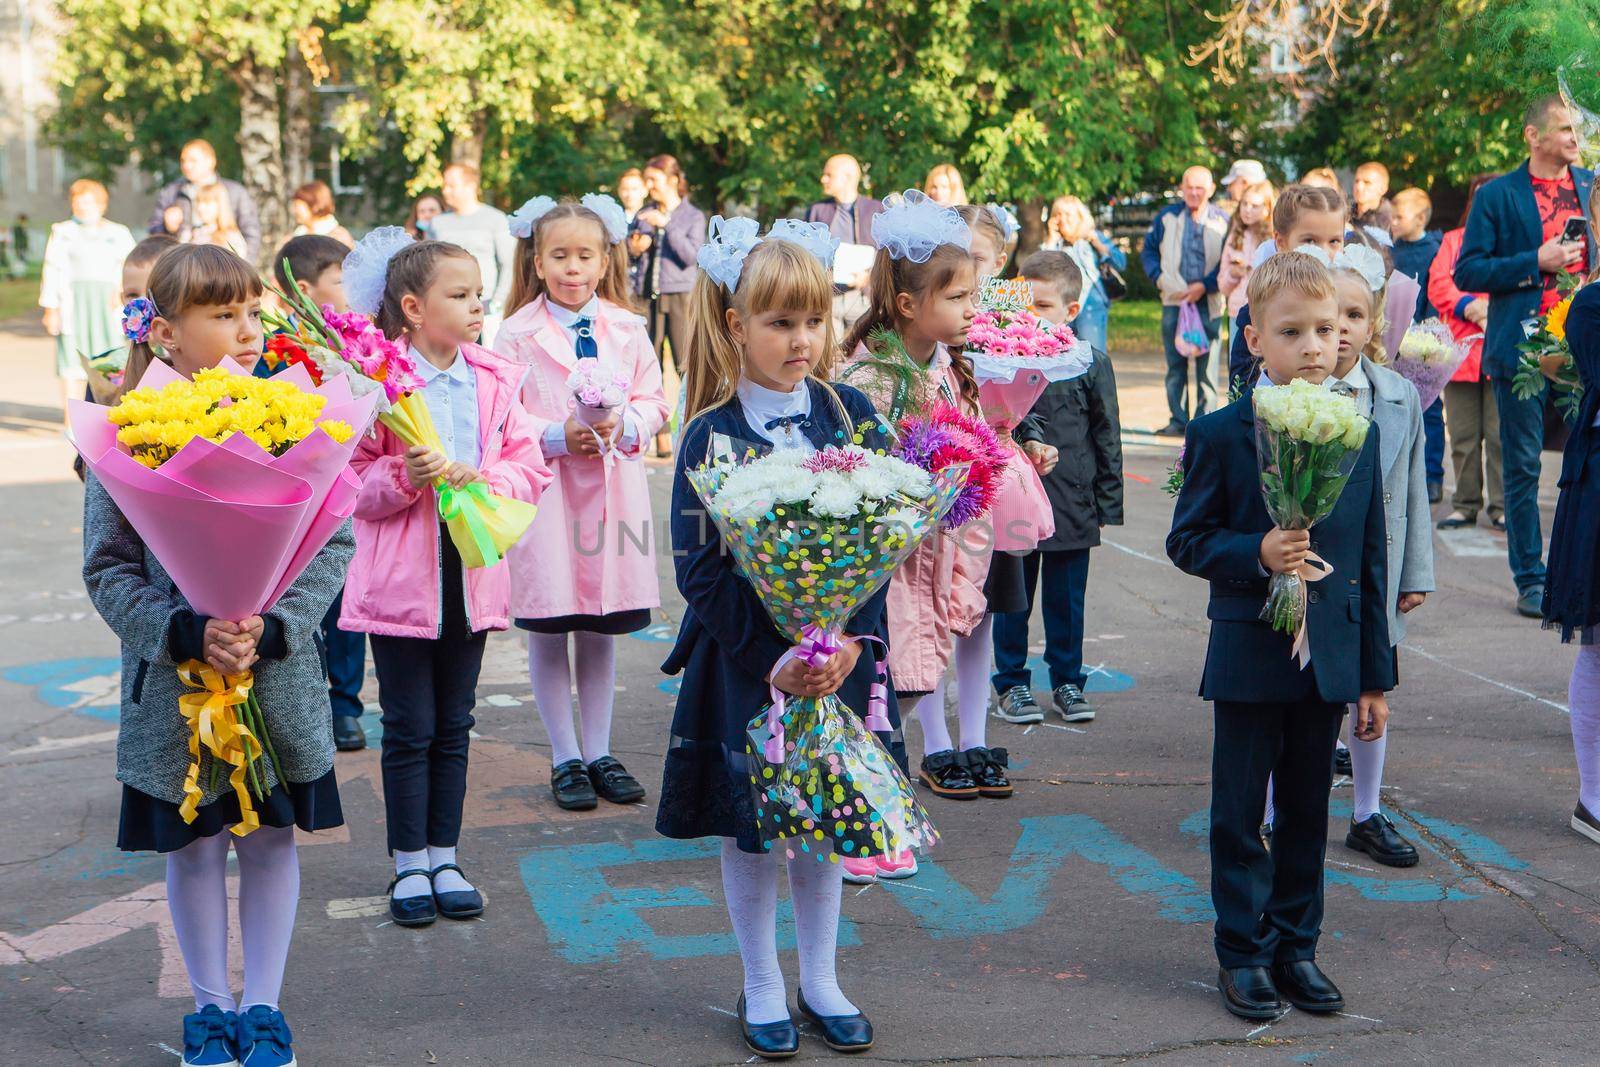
1071 229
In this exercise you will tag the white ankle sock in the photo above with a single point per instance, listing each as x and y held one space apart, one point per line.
446 881
594 660
417 885
550 674
974 664
750 882
815 888
930 712
1366 771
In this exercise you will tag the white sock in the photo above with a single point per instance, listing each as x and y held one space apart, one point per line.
1338 742
551 677
197 894
269 895
1583 697
974 665
446 881
417 885
930 712
1366 771
595 661
815 888
750 882
1271 812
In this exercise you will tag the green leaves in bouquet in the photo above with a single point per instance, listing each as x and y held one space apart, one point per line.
888 375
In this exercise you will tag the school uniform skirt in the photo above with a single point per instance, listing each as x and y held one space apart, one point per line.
1572 586
1005 588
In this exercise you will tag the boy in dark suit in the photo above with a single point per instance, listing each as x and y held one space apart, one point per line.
1272 716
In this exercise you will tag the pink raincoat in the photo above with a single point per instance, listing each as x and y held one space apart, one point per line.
591 550
937 593
392 587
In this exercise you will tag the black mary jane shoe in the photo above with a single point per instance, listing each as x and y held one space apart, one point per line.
1341 763
988 768
946 774
412 911
1378 838
1248 992
460 903
570 784
770 1041
1303 984
347 734
613 782
842 1033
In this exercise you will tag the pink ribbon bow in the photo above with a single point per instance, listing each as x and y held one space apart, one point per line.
816 646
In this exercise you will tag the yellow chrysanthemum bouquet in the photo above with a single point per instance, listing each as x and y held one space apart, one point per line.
1547 360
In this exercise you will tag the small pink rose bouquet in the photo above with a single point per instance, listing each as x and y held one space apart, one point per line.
597 392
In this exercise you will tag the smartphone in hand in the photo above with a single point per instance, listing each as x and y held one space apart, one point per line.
1574 232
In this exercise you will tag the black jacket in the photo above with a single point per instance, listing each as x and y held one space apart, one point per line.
1217 529
1572 584
1079 417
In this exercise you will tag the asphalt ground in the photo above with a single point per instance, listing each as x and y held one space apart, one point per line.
1070 923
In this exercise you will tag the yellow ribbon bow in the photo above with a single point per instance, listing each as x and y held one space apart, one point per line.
213 718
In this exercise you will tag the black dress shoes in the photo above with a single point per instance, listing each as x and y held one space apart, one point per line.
770 1041
347 734
570 784
842 1033
1378 838
613 782
1303 984
412 911
1248 993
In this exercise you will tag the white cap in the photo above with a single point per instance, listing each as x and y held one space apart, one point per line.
1250 170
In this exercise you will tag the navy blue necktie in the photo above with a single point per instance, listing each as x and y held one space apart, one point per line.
585 346
798 423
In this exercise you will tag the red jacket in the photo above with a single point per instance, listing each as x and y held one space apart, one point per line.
1449 302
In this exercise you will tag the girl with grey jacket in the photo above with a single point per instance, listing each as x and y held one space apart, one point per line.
208 308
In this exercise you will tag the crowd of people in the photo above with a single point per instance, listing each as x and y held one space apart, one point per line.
782 340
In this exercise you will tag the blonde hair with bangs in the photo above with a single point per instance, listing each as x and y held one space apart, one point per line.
1294 273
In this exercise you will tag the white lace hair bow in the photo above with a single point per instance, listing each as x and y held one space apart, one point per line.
1379 234
366 268
1008 222
915 225
1363 261
612 217
727 243
1317 253
526 217
811 236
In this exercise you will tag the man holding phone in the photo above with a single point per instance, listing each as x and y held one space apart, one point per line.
1527 230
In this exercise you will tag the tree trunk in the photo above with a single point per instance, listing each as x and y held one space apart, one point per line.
1030 213
261 150
298 119
467 147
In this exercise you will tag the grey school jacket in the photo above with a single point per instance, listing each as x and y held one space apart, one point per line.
137 599
1398 412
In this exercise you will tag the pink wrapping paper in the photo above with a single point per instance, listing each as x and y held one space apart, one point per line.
1021 512
233 525
1399 306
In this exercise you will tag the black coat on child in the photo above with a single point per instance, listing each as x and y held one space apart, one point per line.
1079 417
727 644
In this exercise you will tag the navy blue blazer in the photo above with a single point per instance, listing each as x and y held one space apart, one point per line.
1239 357
1500 256
1217 527
1572 584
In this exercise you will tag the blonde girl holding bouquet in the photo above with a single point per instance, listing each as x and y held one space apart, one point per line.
924 288
759 360
203 306
428 616
586 569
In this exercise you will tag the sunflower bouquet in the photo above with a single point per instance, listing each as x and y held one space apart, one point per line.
1547 359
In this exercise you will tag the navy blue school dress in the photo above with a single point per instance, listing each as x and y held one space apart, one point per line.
1572 580
727 643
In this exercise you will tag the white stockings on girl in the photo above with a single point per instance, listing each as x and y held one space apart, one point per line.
974 664
269 892
550 673
1583 696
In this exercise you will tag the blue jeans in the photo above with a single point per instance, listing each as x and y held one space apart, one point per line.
1066 578
1521 441
1093 322
1433 441
347 662
1178 369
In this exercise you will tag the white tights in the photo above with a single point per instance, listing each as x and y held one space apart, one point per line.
974 656
549 671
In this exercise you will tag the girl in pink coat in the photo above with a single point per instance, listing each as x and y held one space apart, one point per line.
586 567
428 616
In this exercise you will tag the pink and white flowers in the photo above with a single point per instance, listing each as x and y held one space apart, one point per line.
596 386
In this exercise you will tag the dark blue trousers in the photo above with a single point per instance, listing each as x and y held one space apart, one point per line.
347 662
1521 446
1065 578
1433 441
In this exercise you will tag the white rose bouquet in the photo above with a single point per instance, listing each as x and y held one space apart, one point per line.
1428 358
1307 441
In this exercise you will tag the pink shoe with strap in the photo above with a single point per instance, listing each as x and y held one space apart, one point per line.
897 865
860 871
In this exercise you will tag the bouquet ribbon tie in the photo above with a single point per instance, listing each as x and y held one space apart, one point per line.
816 646
213 718
452 507
1314 569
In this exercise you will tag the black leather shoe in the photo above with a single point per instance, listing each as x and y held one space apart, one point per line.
412 911
613 782
570 783
945 774
1303 984
459 904
347 734
770 1041
1435 492
988 769
842 1033
1378 838
1341 762
1248 993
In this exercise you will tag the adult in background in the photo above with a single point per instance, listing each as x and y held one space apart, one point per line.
677 230
483 231
424 209
1516 249
174 212
312 208
1414 249
1181 254
1469 396
848 216
80 289
1242 175
1071 229
1369 197
944 186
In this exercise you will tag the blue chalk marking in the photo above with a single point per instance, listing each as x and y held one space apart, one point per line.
1473 845
661 632
1101 679
74 683
670 686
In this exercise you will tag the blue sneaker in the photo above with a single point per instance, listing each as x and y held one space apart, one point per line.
264 1039
208 1037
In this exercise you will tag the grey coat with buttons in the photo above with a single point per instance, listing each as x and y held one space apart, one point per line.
138 600
1397 410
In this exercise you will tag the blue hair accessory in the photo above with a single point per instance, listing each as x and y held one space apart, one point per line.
811 236
137 315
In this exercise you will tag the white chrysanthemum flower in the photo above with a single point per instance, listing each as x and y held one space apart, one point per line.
835 497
